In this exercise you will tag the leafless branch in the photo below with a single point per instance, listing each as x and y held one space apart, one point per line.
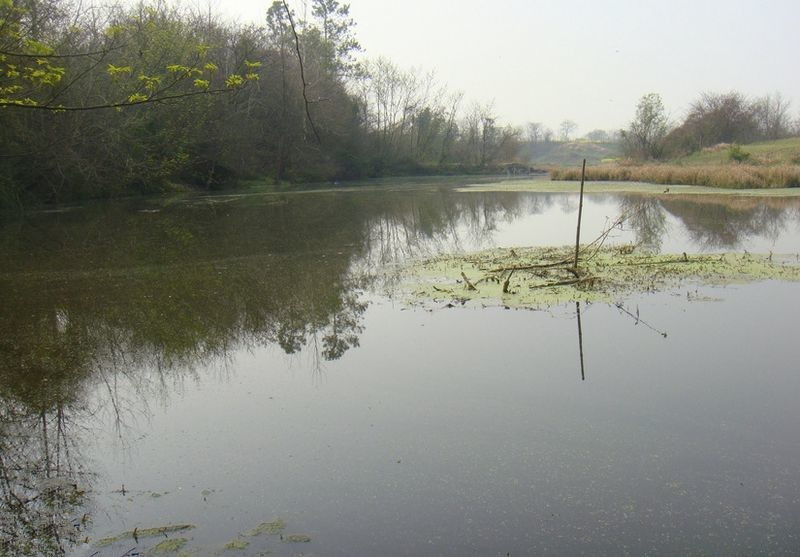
302 70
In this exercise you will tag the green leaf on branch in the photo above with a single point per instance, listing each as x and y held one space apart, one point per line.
234 80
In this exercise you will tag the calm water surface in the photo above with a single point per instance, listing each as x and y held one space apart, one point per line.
225 361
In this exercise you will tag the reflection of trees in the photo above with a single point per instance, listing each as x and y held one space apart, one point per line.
725 222
647 218
42 485
713 222
444 222
124 304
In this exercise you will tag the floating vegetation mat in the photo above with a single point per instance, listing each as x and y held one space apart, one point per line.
540 277
257 542
137 533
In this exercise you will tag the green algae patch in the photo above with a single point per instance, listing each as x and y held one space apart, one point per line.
237 544
272 528
296 538
137 533
168 547
542 277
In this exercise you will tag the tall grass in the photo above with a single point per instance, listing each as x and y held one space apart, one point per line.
720 176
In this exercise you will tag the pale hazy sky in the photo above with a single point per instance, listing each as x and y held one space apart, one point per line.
588 61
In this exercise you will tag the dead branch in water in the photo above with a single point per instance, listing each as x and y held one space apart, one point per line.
563 282
600 240
470 286
505 284
531 267
639 320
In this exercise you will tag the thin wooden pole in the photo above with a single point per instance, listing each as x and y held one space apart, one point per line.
580 211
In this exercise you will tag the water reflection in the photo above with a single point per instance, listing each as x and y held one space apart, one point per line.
646 216
150 294
715 222
43 481
580 338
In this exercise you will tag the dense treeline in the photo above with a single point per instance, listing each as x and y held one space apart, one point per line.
97 102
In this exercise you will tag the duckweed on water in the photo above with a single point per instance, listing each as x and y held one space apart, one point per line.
168 546
297 538
541 277
237 544
272 528
144 533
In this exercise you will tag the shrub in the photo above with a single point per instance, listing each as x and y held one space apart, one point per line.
735 153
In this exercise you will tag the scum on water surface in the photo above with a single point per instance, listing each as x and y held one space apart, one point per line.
540 277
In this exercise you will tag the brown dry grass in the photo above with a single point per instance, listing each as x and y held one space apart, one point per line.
721 176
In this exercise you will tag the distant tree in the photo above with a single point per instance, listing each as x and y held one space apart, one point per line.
599 136
772 116
645 135
566 129
534 132
548 135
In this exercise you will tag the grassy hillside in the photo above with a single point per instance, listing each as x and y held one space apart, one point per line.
782 151
569 153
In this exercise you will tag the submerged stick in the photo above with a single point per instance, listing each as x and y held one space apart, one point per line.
580 211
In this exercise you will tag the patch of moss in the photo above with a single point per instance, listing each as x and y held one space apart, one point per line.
144 533
168 546
272 528
541 277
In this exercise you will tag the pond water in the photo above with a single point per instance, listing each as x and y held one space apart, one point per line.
228 361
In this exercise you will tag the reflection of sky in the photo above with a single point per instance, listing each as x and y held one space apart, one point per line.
556 225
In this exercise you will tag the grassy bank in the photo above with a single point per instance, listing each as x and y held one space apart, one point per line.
771 164
740 176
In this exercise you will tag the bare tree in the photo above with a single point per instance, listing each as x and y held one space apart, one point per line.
534 131
772 115
566 128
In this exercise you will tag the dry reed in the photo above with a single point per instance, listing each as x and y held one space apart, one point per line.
737 176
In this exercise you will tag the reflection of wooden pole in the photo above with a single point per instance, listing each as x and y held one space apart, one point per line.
580 211
580 338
